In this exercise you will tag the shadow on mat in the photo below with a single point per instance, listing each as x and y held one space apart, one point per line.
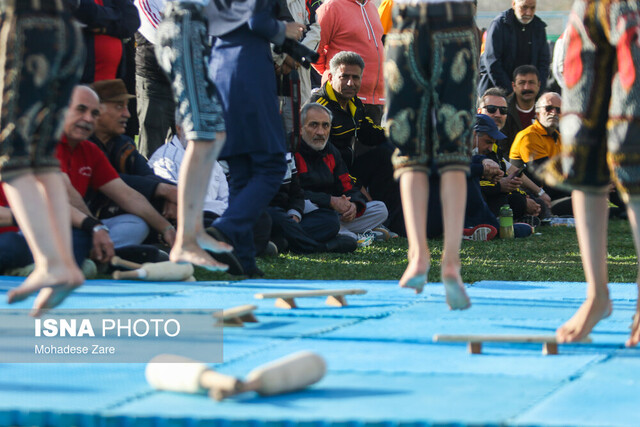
318 393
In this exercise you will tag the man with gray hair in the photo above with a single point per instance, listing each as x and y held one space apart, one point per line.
515 37
325 179
361 143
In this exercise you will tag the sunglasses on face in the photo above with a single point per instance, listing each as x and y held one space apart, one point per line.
491 109
550 108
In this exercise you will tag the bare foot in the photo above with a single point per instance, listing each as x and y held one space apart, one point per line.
53 285
195 255
457 298
634 339
415 276
592 310
208 243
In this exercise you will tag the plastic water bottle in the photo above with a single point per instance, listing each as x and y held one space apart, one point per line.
506 222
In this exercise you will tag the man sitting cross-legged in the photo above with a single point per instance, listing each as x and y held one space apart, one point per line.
120 149
325 179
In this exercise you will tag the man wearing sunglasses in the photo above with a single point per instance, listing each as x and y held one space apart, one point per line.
541 140
493 103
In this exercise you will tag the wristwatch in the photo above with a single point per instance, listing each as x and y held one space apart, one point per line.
100 227
541 192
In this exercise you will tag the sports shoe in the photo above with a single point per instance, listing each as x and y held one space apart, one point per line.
89 269
341 244
522 229
365 239
482 232
388 234
270 250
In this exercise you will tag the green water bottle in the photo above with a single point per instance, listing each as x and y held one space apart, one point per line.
506 222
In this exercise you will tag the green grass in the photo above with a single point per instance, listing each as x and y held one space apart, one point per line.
551 256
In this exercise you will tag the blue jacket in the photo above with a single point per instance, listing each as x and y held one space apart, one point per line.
498 60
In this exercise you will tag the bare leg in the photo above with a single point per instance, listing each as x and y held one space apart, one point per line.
633 209
590 211
49 237
453 192
191 239
414 189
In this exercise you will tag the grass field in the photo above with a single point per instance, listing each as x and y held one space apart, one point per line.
551 256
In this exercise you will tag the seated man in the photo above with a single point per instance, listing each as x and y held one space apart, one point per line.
14 251
493 103
120 149
90 171
480 223
508 189
362 145
325 179
538 143
315 231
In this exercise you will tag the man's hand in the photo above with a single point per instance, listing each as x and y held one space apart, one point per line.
546 200
492 171
169 235
293 30
533 208
167 191
507 185
288 64
341 204
102 250
350 214
170 210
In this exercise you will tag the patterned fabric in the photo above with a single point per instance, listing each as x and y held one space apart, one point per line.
42 54
601 103
430 76
195 94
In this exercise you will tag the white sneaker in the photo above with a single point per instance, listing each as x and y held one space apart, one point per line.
365 239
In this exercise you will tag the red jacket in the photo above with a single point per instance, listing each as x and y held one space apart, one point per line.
348 25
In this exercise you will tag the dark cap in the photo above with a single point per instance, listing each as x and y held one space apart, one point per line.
111 90
486 125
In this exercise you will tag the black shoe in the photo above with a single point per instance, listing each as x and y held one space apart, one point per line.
228 258
255 272
341 244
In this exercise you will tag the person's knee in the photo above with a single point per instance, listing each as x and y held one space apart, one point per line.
127 230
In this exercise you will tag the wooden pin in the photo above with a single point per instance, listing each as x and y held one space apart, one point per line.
335 297
474 342
236 316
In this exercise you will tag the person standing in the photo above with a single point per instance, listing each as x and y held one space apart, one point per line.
243 72
41 65
600 131
182 52
515 37
430 77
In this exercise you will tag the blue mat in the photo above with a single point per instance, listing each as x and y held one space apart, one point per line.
383 367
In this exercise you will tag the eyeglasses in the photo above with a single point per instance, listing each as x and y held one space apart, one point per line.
550 108
491 109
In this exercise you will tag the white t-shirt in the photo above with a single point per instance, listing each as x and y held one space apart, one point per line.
221 21
166 162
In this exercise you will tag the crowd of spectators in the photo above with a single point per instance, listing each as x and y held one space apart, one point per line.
338 192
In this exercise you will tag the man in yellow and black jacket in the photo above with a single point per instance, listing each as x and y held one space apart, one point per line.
362 144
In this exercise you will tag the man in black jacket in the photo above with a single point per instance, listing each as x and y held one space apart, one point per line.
362 144
325 179
122 154
515 37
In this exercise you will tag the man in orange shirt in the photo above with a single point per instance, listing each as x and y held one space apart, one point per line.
541 140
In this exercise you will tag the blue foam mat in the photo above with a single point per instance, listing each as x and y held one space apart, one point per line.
383 368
